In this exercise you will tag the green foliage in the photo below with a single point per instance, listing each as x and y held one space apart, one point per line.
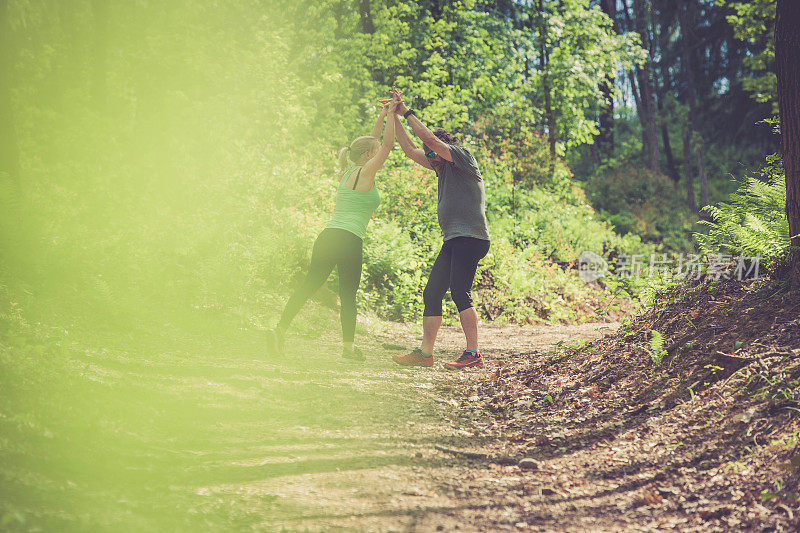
185 160
395 269
634 200
464 62
657 351
753 222
582 48
753 22
454 64
520 155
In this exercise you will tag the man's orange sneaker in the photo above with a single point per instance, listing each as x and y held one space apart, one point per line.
467 360
415 358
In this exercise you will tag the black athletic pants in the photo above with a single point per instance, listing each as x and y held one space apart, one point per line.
454 268
333 248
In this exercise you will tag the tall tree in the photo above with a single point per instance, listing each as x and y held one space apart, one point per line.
605 140
787 68
365 10
665 87
687 28
642 17
574 36
544 65
691 202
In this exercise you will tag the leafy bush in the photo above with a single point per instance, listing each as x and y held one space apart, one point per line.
753 222
395 269
635 200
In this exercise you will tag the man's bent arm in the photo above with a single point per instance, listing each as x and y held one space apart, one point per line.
431 141
408 146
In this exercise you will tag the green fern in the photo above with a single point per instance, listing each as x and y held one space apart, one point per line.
753 222
657 351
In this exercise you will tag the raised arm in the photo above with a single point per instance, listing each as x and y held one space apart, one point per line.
376 129
372 166
431 141
409 148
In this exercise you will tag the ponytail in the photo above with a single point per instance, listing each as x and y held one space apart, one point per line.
344 154
356 150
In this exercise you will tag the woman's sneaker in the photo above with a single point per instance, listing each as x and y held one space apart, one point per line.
415 358
355 355
274 342
467 360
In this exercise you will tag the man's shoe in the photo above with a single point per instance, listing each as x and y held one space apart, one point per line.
356 355
415 358
467 360
274 342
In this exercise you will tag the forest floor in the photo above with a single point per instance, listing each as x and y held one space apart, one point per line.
568 428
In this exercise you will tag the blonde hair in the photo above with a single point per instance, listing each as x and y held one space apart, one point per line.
356 149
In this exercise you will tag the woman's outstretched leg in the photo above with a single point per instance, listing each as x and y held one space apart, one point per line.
322 263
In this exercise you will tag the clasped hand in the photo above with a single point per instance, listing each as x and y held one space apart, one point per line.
394 104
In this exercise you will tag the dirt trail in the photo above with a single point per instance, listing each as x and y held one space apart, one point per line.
210 433
201 430
382 471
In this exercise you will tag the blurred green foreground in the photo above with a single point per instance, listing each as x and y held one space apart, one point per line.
164 169
185 430
152 200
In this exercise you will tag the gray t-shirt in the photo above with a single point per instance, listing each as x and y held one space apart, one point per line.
462 200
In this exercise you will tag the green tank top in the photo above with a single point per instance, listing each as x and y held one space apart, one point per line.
354 208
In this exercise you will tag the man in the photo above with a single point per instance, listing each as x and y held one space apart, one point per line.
462 218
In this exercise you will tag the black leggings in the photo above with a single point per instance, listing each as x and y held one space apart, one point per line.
333 248
454 268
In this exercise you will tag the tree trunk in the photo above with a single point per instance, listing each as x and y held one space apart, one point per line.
548 108
637 100
671 168
687 27
641 111
641 11
367 24
665 87
605 140
787 68
687 170
551 126
368 28
701 172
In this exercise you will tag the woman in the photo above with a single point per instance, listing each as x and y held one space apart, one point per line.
340 243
